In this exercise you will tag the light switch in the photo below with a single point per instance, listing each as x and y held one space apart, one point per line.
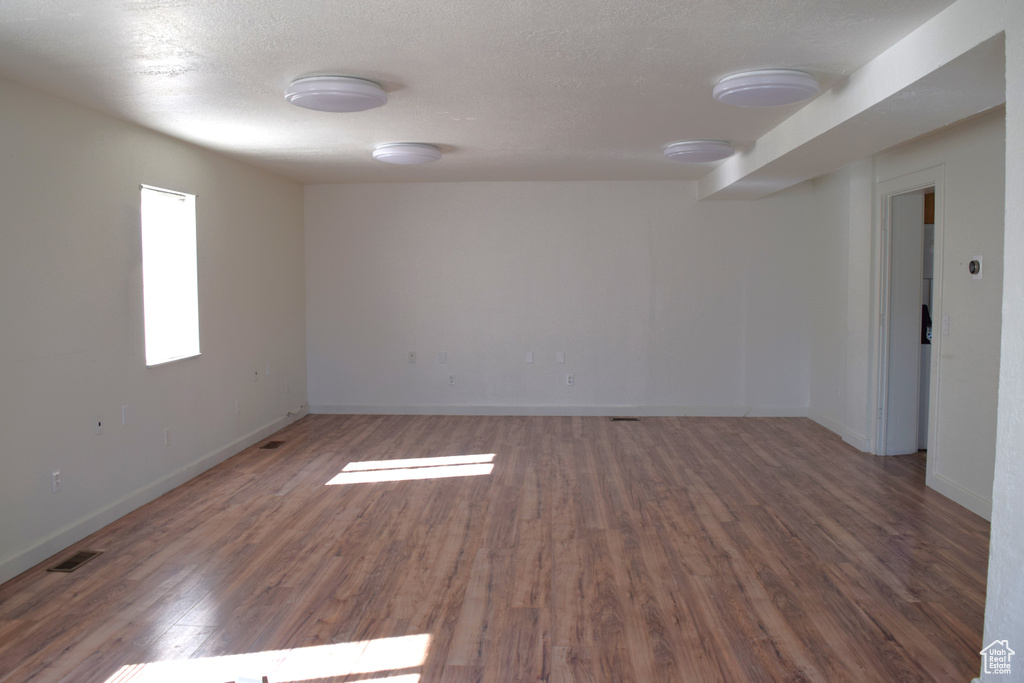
442 358
945 324
560 357
529 356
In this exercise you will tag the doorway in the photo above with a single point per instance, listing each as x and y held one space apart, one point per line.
909 303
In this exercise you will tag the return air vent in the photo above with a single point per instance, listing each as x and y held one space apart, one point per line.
270 445
75 561
625 419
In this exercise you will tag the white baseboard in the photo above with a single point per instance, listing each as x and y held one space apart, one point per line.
826 422
861 443
566 410
958 494
953 491
23 560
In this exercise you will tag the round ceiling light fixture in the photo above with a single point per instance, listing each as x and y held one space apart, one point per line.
336 93
406 153
698 151
767 88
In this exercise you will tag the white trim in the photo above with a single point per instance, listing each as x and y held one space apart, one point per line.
858 441
884 191
566 410
24 560
826 422
960 495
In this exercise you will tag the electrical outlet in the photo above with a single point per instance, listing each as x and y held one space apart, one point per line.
56 481
124 415
167 436
412 358
451 380
238 408
570 380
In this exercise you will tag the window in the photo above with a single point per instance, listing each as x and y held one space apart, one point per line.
170 283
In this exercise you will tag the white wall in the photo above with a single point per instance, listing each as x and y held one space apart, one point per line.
827 299
1004 611
962 459
969 158
71 341
661 304
842 340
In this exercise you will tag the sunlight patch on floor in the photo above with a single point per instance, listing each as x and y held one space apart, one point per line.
418 462
411 469
384 656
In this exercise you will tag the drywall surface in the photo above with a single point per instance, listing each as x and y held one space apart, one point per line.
827 299
961 461
71 341
947 69
844 338
660 304
861 308
1004 612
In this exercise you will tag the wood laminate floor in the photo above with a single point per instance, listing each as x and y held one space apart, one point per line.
671 549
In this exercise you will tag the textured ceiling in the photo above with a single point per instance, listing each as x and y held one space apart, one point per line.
526 90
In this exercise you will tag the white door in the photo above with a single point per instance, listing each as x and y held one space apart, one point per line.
903 385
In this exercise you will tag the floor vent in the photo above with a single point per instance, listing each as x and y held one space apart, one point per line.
75 561
271 445
625 419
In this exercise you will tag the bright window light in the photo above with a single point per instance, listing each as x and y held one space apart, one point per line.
412 469
170 280
391 657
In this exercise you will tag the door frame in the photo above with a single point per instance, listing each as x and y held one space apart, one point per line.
884 192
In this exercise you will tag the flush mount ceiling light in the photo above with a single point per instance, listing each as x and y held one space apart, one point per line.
768 88
698 151
336 93
406 153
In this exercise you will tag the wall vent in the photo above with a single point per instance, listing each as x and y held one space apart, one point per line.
271 445
625 419
75 561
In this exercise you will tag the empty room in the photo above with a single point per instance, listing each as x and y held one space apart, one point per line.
601 341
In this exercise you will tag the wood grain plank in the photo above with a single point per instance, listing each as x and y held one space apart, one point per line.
670 549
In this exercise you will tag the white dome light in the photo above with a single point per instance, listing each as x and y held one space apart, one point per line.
768 88
406 153
336 93
698 151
